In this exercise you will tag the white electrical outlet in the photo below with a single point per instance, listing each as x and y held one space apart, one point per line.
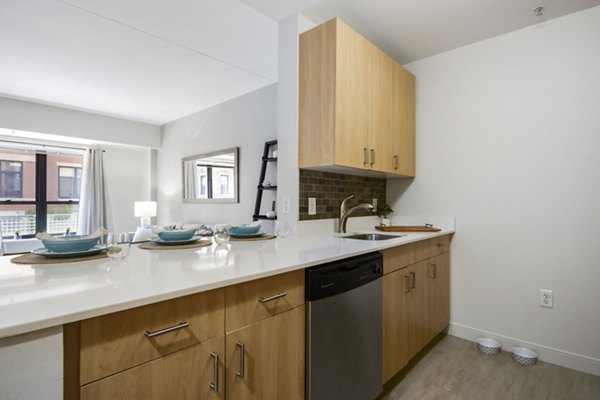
285 205
546 298
374 204
312 206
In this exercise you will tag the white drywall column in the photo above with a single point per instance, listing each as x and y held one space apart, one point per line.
287 117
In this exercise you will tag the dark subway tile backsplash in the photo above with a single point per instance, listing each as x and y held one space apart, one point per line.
331 188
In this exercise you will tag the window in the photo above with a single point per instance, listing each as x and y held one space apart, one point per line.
39 192
69 182
11 179
224 184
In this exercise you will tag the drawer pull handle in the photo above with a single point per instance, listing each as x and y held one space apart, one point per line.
396 162
406 288
242 371
366 156
372 157
180 325
440 245
433 271
413 280
215 384
274 297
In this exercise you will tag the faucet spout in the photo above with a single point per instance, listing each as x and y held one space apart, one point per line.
345 213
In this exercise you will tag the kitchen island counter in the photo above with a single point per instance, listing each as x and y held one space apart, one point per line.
34 297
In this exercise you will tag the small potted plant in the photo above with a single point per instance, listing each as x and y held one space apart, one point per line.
382 212
17 234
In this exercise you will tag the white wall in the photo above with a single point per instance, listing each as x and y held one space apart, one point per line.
246 122
35 117
287 116
127 173
508 141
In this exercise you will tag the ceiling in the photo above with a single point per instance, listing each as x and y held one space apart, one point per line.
156 61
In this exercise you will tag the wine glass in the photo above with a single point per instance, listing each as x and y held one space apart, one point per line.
221 233
118 245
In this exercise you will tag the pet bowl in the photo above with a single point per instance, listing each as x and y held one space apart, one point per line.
488 346
524 356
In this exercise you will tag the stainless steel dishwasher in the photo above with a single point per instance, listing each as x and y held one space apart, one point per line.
344 329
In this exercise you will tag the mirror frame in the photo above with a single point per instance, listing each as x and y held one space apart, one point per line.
236 174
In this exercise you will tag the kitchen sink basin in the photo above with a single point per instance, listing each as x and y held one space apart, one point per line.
371 236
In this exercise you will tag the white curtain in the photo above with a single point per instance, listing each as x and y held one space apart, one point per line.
92 200
190 190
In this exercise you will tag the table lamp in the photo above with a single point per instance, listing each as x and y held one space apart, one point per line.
145 210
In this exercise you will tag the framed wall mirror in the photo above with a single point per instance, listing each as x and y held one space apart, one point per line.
211 177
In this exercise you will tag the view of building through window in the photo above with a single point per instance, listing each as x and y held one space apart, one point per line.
23 208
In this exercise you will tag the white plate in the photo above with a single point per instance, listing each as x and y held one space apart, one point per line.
247 235
172 242
42 251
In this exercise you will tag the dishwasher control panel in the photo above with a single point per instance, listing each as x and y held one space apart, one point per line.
340 276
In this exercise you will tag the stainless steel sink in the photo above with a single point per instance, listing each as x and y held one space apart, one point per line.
371 236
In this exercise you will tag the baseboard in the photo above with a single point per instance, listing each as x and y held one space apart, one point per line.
551 355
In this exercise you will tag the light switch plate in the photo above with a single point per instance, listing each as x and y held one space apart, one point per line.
312 206
285 205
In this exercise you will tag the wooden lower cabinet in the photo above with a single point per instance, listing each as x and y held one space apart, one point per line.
437 288
265 360
186 374
416 307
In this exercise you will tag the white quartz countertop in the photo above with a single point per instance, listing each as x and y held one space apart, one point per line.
34 297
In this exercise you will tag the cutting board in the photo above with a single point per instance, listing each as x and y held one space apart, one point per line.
421 228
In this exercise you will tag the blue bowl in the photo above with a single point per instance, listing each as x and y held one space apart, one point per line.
70 244
244 230
177 234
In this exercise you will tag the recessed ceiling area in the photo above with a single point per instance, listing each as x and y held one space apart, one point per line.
156 61
410 30
143 60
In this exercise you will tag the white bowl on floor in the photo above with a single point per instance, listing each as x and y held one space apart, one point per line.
524 356
489 346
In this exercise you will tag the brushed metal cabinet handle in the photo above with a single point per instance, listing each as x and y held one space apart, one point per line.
396 162
433 271
242 371
180 325
366 156
406 287
372 157
215 383
413 280
276 296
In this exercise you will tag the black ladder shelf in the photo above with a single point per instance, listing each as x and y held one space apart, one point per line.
260 188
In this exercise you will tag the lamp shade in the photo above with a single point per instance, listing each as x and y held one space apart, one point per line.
145 208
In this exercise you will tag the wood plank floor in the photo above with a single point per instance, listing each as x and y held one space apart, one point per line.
453 369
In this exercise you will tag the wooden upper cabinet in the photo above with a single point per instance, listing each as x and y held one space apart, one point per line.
356 104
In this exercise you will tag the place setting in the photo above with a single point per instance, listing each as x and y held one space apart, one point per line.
249 232
174 239
65 249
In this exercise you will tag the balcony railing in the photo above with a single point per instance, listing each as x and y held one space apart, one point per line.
25 223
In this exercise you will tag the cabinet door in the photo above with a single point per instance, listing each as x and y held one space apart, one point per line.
405 326
266 360
380 109
186 374
403 122
438 294
351 102
396 320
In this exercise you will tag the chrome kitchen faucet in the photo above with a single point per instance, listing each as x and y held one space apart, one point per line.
345 213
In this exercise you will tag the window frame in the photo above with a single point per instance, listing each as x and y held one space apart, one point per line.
73 182
41 202
13 173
